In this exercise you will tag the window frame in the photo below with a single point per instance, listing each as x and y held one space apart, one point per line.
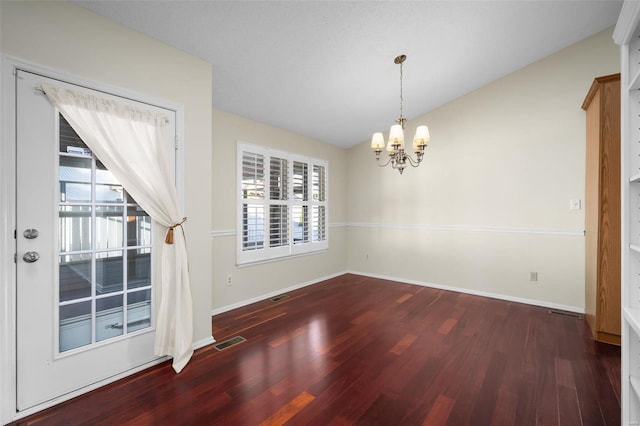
291 248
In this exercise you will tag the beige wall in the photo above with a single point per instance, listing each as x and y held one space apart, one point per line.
508 156
253 281
71 40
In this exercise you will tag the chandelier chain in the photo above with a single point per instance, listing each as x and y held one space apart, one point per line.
401 98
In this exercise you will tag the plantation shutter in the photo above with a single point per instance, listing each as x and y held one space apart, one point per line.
282 204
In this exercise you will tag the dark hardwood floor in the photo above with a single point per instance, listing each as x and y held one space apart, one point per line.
358 350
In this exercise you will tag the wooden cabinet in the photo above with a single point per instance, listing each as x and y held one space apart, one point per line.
602 209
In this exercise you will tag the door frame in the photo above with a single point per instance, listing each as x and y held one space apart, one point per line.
8 289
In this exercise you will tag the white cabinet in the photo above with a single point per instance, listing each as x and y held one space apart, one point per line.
627 35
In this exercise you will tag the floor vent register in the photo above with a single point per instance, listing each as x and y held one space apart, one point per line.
229 343
565 314
279 298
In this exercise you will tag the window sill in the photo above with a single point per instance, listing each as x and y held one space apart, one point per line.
279 258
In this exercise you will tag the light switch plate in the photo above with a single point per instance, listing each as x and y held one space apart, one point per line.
575 204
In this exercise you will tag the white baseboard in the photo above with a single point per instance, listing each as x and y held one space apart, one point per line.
262 297
542 303
209 340
533 302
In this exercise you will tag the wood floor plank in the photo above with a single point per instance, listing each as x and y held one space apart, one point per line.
564 373
568 408
383 411
439 413
404 298
284 339
255 324
487 400
504 413
447 325
289 410
359 350
267 307
403 344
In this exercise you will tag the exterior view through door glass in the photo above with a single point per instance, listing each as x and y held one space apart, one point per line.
84 257
104 250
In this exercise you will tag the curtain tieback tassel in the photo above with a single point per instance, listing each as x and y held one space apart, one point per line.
169 237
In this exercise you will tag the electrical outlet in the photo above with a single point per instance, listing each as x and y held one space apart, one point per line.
229 281
533 276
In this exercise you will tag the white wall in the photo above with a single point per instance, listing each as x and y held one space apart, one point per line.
508 156
71 40
254 281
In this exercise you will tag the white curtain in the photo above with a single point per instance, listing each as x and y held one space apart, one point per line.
132 144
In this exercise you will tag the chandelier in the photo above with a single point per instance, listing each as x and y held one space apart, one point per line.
398 158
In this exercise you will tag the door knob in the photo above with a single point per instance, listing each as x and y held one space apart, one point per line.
30 234
31 256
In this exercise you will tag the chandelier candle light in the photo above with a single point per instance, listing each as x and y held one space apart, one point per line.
398 158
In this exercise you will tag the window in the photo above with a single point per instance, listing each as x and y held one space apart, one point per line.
282 204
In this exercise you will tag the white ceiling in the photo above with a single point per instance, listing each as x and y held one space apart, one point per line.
325 69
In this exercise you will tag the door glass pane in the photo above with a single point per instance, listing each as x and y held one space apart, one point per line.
109 317
107 188
75 325
138 310
75 179
109 194
70 142
74 228
109 273
138 227
103 175
75 276
138 268
109 230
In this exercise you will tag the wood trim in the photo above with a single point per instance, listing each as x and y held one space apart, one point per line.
597 82
609 226
604 337
591 206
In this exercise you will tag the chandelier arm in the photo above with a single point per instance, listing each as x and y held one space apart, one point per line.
385 164
413 162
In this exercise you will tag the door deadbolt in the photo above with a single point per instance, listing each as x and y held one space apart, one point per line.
30 233
31 256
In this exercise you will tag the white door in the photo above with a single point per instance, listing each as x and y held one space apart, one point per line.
84 259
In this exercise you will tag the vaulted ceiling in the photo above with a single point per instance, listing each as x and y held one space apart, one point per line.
325 69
